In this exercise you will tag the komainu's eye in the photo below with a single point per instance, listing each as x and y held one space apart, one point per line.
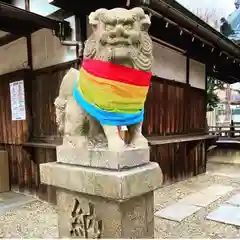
109 27
127 26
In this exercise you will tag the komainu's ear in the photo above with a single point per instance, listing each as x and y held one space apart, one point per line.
144 19
145 23
94 17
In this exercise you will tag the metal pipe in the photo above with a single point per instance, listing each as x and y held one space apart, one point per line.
71 43
78 45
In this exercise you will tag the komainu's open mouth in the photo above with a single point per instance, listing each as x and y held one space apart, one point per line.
118 42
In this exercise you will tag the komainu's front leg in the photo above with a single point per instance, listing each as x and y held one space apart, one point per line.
96 136
137 139
76 129
115 143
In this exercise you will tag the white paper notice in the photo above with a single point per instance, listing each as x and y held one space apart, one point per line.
17 100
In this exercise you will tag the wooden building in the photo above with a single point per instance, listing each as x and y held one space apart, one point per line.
186 51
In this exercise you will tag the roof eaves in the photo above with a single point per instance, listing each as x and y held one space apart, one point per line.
188 20
197 19
35 21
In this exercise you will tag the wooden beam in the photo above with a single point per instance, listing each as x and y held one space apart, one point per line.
8 38
187 69
21 22
60 14
28 81
57 67
78 37
27 5
85 7
9 25
83 28
8 11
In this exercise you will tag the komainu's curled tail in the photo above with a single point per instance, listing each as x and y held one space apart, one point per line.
65 92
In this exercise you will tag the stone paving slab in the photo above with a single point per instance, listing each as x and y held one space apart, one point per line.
10 200
235 200
230 175
199 199
227 214
206 196
193 202
218 190
177 212
8 195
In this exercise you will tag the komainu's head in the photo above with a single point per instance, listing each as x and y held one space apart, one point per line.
120 36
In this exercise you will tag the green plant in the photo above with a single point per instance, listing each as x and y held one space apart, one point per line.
212 97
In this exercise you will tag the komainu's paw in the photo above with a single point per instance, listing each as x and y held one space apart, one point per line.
139 142
116 144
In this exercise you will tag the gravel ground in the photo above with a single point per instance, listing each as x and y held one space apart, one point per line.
35 220
196 226
39 220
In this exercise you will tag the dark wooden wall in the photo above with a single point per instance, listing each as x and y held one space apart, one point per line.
172 108
14 133
179 161
11 132
47 82
176 109
41 89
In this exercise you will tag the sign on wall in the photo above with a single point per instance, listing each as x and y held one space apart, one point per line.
17 100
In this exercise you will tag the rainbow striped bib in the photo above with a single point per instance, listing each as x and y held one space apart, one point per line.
112 94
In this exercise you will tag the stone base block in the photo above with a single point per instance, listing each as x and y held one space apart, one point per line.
94 203
118 185
85 216
103 158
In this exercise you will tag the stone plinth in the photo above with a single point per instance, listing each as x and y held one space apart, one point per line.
102 203
103 158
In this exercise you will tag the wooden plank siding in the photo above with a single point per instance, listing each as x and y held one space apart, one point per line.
47 87
171 108
14 133
11 132
179 161
24 161
174 108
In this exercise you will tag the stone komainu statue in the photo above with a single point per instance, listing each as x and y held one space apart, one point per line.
110 89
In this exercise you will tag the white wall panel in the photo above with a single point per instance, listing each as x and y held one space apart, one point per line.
168 63
13 56
48 51
197 76
19 3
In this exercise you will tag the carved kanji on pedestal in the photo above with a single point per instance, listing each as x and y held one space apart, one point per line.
85 225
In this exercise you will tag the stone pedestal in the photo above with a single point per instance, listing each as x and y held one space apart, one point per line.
103 158
102 203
